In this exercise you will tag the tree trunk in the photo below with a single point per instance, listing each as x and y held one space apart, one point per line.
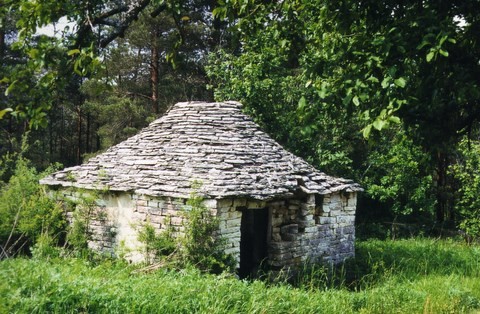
87 134
154 73
2 43
444 211
79 135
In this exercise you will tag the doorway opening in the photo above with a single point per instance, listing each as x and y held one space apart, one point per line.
253 240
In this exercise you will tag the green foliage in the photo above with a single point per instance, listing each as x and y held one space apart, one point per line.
467 173
84 208
354 66
45 247
201 245
411 276
398 176
118 117
27 213
156 245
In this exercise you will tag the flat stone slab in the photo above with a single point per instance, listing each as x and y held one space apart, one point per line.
211 143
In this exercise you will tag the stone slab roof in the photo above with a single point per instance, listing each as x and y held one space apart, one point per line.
212 143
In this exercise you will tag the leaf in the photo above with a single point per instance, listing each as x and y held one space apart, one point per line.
378 124
302 103
4 111
10 88
356 101
73 52
386 82
394 119
430 55
347 100
367 130
400 82
443 52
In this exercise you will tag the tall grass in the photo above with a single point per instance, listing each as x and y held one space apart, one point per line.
407 276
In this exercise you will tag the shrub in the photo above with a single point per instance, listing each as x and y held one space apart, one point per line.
467 173
27 212
201 245
155 245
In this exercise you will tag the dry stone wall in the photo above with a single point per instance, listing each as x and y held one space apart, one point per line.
315 229
308 228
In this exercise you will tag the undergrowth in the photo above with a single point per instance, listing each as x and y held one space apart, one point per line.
407 276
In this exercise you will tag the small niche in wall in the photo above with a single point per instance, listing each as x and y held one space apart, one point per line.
318 208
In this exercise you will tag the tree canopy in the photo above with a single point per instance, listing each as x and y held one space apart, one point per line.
385 92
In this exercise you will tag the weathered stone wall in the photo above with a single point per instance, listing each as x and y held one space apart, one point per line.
117 217
315 228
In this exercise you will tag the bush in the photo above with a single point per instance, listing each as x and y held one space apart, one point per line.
201 245
27 212
155 245
467 173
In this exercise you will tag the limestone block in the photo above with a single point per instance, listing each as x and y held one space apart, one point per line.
336 212
240 202
276 204
138 217
230 231
234 240
306 210
311 229
224 203
256 204
293 207
279 246
141 209
234 222
311 200
350 208
326 220
159 219
235 215
170 212
336 206
277 222
352 200
276 237
348 220
223 215
233 250
348 229
142 202
210 203
326 208
176 221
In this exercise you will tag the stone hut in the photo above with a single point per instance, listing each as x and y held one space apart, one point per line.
273 207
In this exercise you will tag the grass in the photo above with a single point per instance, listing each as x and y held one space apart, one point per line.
404 276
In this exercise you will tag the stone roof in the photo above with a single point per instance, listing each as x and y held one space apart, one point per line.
212 143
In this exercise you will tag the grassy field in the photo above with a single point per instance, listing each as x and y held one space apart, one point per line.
403 276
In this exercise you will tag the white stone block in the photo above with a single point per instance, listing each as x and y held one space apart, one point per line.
210 203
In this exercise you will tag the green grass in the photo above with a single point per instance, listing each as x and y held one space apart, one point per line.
405 276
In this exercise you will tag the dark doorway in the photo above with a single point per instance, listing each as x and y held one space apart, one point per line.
253 241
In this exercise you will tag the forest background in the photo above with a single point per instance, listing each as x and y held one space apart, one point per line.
383 92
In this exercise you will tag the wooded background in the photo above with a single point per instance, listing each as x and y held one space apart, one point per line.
382 92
